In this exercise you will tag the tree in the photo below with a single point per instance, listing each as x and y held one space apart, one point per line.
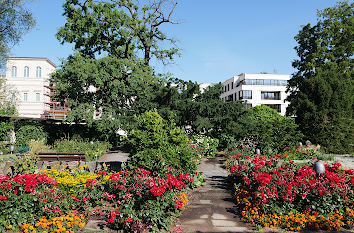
321 90
7 106
15 21
110 72
264 128
123 28
217 118
116 89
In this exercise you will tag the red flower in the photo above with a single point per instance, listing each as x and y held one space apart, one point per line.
129 219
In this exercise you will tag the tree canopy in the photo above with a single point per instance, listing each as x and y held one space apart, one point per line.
15 21
123 28
321 90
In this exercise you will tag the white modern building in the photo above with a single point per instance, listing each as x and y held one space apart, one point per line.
258 89
29 78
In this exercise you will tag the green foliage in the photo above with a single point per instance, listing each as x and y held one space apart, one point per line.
27 133
15 20
321 90
157 141
37 146
216 118
305 153
207 146
5 129
264 128
120 28
94 150
25 165
115 88
7 106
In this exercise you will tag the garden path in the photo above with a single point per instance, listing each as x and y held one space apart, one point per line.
212 208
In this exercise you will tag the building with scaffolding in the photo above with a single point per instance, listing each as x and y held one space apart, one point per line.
28 78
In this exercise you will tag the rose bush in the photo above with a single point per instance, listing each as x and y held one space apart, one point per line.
287 189
130 200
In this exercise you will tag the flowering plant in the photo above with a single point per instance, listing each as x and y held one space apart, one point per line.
275 188
206 146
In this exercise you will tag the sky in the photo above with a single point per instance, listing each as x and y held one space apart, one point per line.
217 39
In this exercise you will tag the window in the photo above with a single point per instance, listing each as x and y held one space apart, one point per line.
232 85
38 72
270 95
230 98
228 87
275 106
225 88
269 82
14 71
235 95
25 96
38 97
266 82
13 98
26 72
259 82
245 95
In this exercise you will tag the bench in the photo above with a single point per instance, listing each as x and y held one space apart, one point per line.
61 156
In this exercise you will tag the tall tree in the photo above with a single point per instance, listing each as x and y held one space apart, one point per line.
7 103
123 28
15 21
116 89
321 90
110 72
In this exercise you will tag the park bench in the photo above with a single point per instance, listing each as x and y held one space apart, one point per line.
61 156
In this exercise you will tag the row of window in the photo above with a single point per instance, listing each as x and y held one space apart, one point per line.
268 82
26 97
247 94
26 72
227 87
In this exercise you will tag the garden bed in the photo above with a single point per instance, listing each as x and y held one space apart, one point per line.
292 196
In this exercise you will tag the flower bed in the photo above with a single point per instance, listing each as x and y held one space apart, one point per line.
292 196
130 201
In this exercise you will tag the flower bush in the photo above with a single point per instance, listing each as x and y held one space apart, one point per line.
67 223
285 194
302 152
70 178
140 200
206 146
130 200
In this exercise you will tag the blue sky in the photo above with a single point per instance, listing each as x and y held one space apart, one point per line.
218 39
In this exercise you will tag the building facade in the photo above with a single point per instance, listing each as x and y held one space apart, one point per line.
258 89
29 78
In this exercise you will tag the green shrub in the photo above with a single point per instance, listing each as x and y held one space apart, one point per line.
93 150
5 128
25 165
27 133
305 153
154 136
264 128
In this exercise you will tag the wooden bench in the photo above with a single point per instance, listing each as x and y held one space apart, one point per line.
61 156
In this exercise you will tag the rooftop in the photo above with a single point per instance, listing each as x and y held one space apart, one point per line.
32 58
